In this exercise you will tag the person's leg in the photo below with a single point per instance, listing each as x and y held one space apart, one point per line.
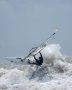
31 62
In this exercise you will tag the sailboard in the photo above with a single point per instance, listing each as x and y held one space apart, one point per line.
40 47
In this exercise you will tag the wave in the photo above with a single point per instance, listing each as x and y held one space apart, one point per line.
54 74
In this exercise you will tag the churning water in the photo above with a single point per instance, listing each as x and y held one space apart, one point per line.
54 74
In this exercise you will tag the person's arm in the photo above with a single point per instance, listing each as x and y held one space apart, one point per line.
40 54
35 58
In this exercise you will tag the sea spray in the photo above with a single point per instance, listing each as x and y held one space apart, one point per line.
46 77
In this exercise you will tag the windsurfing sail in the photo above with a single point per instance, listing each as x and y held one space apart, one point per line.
35 50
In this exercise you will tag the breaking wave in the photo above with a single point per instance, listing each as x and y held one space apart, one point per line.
54 74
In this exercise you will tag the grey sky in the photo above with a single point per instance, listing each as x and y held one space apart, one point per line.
25 23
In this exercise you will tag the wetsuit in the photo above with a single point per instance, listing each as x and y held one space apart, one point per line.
38 61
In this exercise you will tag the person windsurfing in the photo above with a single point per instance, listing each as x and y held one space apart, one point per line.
38 61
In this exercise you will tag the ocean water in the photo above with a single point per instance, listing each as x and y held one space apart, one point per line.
54 74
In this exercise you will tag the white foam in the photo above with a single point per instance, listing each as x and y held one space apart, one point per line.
57 77
51 53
